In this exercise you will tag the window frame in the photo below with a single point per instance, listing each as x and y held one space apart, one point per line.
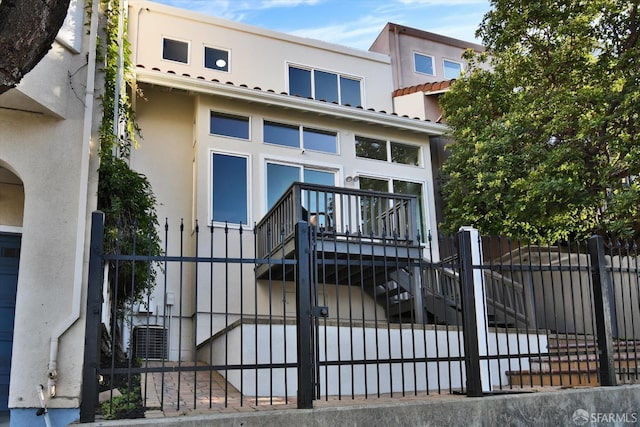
444 68
248 195
433 64
302 167
339 77
301 131
422 205
388 151
204 56
232 116
175 39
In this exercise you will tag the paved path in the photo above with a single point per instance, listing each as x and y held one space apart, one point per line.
204 393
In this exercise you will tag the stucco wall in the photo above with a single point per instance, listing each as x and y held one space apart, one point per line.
258 57
46 153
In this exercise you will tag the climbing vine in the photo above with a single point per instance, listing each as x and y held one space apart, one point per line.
124 195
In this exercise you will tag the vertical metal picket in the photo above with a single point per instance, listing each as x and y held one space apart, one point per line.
303 317
602 311
89 398
470 327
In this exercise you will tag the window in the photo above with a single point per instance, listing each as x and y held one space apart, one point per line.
229 188
174 50
405 154
371 148
320 140
325 85
216 59
300 137
229 125
281 176
423 64
452 70
368 208
276 133
396 152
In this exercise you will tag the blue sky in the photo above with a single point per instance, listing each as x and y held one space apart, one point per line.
354 23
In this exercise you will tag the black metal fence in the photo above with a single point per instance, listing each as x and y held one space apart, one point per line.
366 320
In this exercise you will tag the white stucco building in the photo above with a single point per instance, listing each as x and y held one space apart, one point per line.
48 183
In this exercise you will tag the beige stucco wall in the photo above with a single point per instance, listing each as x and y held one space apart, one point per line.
46 153
175 153
175 126
258 57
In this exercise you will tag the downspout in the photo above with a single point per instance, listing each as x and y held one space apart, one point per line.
78 274
396 43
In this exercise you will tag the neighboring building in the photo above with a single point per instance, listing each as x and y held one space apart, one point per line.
424 65
232 114
48 185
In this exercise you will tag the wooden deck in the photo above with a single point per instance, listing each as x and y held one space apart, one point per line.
345 260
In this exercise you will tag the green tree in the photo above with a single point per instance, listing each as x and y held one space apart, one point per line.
547 141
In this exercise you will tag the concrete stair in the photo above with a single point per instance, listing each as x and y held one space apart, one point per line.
573 361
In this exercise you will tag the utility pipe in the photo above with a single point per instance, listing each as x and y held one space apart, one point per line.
78 274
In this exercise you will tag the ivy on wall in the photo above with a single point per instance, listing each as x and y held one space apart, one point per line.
124 195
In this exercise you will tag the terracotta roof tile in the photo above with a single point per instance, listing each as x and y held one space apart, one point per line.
424 87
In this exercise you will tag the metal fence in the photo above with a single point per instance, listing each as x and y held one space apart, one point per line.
367 321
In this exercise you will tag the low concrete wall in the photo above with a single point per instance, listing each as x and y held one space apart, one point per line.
264 343
611 406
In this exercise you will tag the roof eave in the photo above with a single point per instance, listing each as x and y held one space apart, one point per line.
270 98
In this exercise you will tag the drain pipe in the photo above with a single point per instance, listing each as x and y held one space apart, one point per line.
78 275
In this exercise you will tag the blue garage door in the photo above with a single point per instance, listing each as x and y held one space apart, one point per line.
9 257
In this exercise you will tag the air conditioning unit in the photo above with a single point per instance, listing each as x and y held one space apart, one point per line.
150 342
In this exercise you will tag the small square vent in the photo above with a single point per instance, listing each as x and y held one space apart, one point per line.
150 342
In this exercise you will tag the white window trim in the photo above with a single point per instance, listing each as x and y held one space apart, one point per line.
225 113
210 221
453 62
288 161
421 161
188 42
217 48
426 189
433 63
301 129
337 73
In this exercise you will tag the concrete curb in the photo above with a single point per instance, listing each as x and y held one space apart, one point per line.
610 406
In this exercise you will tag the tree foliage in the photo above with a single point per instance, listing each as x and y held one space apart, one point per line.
27 31
547 141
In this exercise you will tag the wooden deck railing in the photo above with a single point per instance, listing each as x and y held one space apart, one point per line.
338 211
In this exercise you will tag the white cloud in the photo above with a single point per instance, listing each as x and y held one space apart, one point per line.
358 34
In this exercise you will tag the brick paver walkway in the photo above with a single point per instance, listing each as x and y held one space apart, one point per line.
204 393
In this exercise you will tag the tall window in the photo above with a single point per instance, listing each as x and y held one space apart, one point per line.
216 59
325 85
423 64
300 137
229 125
229 187
452 69
395 152
368 212
175 50
281 176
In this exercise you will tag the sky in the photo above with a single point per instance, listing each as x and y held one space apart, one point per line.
353 23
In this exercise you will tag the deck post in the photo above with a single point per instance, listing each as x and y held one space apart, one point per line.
89 398
304 327
474 312
602 311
